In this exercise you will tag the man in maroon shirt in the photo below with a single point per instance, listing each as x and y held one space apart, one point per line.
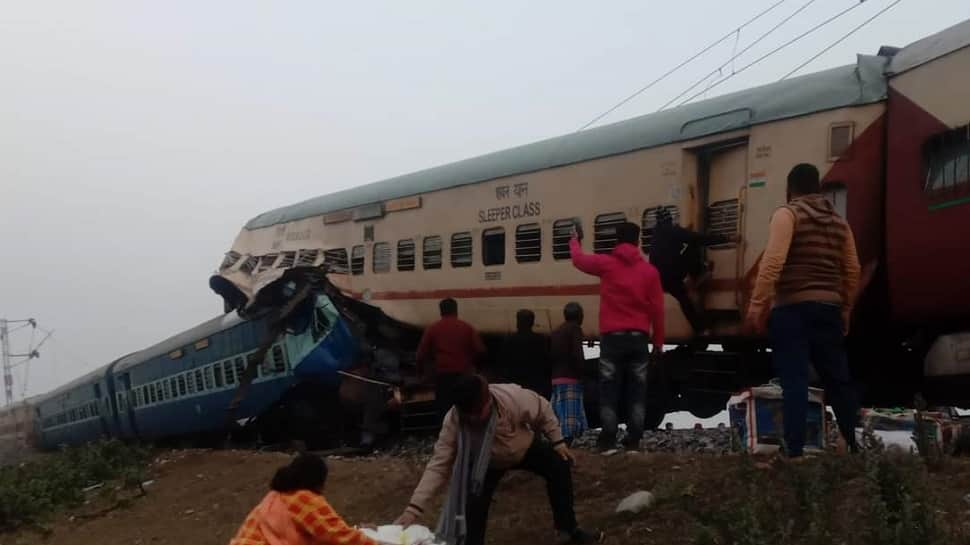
454 347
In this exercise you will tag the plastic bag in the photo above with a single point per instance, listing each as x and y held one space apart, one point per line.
394 534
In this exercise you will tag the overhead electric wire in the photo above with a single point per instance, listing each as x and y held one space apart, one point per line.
773 51
842 39
681 65
720 68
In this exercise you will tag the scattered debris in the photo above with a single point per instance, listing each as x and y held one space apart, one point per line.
92 488
636 502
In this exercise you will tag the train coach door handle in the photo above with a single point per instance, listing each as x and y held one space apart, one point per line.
739 245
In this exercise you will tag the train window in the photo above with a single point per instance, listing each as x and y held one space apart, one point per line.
279 360
217 374
493 246
152 394
947 161
249 265
251 362
562 231
461 250
230 260
240 369
199 381
266 262
840 138
649 221
432 253
321 324
96 409
145 398
528 243
230 372
62 418
336 260
604 231
168 389
189 382
181 383
357 260
173 387
82 413
722 218
307 258
382 257
207 377
405 255
286 260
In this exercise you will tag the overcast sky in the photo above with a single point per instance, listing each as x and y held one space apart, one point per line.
136 138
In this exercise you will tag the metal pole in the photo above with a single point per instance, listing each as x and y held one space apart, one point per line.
7 370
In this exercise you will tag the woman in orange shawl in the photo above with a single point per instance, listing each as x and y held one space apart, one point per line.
295 513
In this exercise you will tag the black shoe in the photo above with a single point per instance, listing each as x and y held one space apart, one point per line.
631 444
603 446
580 537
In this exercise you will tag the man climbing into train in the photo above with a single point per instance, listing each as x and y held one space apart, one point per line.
631 307
493 429
676 253
454 348
803 297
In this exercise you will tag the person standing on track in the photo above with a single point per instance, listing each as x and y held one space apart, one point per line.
631 305
807 283
454 347
676 253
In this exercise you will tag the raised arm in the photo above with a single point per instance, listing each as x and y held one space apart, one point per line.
588 263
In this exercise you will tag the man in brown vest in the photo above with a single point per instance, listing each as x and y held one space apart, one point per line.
807 282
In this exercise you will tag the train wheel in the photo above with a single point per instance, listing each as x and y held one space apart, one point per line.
706 405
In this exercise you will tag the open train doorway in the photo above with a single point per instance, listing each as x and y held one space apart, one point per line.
721 181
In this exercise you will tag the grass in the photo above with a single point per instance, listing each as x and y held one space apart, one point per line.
30 493
876 497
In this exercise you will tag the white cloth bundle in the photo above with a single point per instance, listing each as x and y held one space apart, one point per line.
395 534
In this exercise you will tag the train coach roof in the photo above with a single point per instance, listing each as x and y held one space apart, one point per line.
90 376
185 338
856 84
930 48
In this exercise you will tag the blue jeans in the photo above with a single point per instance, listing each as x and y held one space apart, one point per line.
623 367
811 333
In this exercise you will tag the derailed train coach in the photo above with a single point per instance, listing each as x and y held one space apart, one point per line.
224 375
888 131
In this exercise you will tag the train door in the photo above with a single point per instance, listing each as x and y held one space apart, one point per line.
125 415
723 173
103 417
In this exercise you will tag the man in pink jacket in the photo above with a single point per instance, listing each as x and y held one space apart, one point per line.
631 306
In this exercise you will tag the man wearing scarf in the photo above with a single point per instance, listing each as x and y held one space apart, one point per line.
490 430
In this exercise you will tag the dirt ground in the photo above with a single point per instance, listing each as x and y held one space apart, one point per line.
201 497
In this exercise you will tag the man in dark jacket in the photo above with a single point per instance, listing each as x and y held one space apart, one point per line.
676 253
525 356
